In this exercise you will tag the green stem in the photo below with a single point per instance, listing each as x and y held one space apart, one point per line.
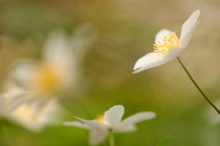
197 86
111 139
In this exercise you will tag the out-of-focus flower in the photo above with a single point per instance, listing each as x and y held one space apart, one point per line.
167 45
59 69
111 121
32 113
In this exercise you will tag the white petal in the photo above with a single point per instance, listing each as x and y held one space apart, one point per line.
95 124
188 28
125 129
161 34
76 124
139 117
130 122
151 60
98 132
83 37
114 115
33 114
97 136
57 50
23 71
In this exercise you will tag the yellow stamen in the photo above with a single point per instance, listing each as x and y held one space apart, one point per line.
169 42
101 119
47 80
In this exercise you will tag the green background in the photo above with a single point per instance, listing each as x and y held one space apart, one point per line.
126 30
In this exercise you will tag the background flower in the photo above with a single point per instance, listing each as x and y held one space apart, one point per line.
111 121
59 69
22 107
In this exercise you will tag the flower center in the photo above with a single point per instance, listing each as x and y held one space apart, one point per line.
47 80
168 42
101 119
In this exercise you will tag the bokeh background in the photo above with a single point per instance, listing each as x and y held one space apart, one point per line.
125 31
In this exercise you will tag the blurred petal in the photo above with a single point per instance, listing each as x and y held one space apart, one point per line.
151 60
114 115
22 72
97 136
81 119
188 28
128 124
138 118
32 113
98 132
83 37
56 48
125 129
94 124
76 124
36 115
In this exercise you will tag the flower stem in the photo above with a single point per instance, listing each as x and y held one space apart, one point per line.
197 86
111 139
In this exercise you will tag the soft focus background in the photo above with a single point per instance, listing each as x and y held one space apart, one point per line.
125 31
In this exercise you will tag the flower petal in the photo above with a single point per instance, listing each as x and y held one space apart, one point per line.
98 132
97 136
139 117
114 115
161 34
76 124
125 129
188 28
23 71
151 60
58 51
129 123
32 113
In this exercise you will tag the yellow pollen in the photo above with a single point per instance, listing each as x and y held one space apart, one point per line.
47 80
168 43
101 119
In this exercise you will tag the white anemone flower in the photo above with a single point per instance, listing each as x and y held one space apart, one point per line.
59 69
23 108
110 122
167 45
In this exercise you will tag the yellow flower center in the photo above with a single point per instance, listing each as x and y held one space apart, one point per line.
169 42
101 119
47 80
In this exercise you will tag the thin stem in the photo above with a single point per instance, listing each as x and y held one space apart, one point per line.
111 139
197 86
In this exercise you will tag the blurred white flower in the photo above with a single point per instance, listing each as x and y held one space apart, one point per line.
32 113
60 68
167 45
111 121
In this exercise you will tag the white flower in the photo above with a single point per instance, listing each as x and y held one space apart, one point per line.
167 45
59 69
22 107
111 121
